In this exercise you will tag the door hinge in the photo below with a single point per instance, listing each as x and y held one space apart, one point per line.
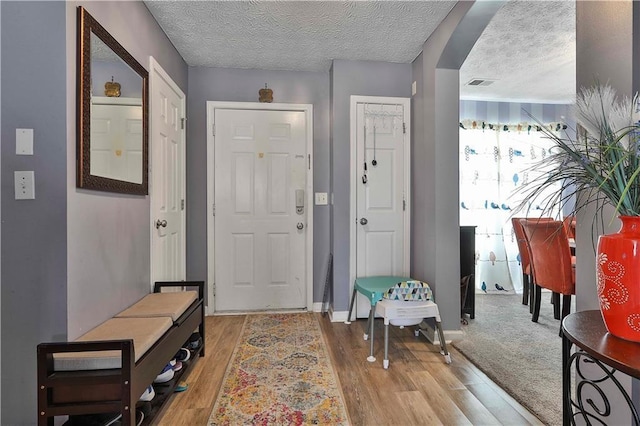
182 204
213 129
309 156
404 128
404 205
214 209
182 120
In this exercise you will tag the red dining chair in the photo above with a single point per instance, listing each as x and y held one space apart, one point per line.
569 223
525 262
551 263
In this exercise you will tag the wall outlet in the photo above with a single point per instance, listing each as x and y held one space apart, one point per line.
24 185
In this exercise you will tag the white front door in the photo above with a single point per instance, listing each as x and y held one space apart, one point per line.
382 188
261 209
116 138
167 170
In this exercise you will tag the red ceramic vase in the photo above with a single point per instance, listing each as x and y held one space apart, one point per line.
618 279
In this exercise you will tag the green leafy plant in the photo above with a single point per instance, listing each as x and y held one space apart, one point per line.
598 163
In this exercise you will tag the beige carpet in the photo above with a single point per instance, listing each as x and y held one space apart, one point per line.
280 374
523 357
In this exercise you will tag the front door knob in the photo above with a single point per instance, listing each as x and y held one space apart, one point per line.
160 223
363 221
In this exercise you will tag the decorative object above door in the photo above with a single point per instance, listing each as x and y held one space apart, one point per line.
112 138
266 94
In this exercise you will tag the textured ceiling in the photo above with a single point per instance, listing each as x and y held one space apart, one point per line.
297 35
528 48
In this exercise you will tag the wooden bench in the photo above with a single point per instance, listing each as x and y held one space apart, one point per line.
107 369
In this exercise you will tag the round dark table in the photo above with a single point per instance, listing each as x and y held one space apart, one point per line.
594 345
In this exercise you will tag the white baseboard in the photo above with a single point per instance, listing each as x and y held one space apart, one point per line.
208 310
338 316
449 335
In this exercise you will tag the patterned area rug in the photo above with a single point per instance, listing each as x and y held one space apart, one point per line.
280 374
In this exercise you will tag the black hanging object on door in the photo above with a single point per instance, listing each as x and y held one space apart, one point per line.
374 162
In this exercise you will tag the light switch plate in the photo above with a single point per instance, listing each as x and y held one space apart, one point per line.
24 185
24 141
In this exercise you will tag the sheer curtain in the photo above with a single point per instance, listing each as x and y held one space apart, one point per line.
494 161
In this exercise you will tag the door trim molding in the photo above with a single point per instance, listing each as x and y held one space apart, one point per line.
406 104
211 107
155 70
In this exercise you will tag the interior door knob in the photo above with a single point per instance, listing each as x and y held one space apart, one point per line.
300 225
160 223
363 221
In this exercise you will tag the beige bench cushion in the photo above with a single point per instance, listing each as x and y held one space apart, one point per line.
144 332
161 305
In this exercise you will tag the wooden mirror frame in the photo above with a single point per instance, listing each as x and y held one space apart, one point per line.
84 179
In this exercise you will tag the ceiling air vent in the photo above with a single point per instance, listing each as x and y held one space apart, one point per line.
480 82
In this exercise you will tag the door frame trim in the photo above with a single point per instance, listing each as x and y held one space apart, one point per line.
406 103
211 107
155 68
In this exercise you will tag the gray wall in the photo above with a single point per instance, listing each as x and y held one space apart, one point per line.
242 85
606 40
427 239
435 254
70 258
604 47
363 78
34 271
109 234
331 185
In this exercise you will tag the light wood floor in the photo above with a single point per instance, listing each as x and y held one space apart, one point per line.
417 389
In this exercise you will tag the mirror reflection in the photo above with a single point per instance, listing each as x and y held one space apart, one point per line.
116 116
112 113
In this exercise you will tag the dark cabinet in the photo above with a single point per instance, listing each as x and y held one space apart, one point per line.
468 267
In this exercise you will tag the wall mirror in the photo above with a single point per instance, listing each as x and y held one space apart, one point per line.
112 113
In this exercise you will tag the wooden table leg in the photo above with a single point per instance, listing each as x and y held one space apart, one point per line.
566 382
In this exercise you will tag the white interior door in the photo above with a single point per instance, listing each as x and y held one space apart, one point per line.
382 190
261 209
167 169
